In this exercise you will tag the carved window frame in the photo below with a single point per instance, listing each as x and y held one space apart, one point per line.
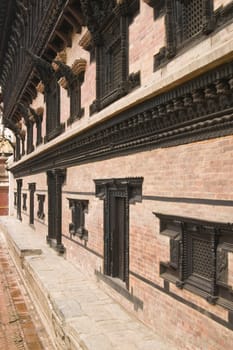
176 25
129 190
113 80
198 257
40 211
79 207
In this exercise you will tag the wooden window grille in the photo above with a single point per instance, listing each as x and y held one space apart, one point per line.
79 208
40 211
199 253
189 19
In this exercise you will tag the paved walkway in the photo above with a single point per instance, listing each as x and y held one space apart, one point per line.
77 312
20 327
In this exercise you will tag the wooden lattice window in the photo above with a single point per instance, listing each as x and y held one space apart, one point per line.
189 19
111 40
40 211
185 20
78 209
199 253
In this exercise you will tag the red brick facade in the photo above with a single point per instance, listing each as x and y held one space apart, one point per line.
186 176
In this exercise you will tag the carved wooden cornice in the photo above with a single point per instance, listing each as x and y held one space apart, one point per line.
197 110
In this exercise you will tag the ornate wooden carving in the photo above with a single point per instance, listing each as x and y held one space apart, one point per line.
40 211
179 116
30 34
78 209
74 78
29 122
117 195
184 21
198 257
49 78
110 38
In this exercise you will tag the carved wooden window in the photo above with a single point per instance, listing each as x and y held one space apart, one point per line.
71 78
78 208
32 188
108 23
40 211
51 94
198 257
190 18
25 201
185 20
52 98
117 195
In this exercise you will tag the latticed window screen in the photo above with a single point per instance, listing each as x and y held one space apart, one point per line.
201 258
112 67
189 19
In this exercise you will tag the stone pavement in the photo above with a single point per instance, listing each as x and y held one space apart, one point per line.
20 327
74 310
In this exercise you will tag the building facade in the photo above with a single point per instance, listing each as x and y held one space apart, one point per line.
122 112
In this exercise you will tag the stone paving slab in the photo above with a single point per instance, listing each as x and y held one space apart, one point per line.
80 315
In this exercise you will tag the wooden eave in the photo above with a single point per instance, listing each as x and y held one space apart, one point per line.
7 15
